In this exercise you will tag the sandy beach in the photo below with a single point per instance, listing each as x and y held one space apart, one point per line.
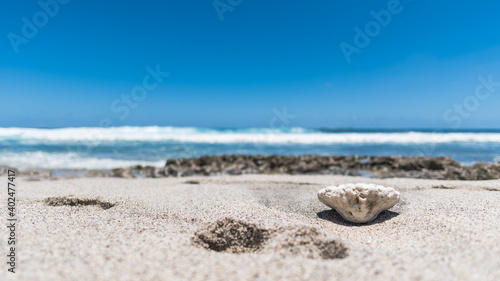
143 229
232 140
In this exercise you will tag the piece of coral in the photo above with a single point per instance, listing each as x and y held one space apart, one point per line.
360 202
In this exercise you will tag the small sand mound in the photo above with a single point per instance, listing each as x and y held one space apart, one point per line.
73 201
192 182
234 236
307 241
443 187
229 235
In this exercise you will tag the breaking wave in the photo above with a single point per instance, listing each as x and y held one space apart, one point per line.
46 160
95 136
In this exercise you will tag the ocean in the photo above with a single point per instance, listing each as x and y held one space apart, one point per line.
114 147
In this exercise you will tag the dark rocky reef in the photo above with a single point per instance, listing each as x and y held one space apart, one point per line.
443 168
373 166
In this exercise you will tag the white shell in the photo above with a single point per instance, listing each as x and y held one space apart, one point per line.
360 202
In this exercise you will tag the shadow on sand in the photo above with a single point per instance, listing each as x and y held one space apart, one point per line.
333 216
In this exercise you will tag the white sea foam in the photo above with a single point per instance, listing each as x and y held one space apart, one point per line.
45 160
94 136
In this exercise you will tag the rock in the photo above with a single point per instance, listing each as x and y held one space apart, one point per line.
122 173
374 166
482 171
95 174
442 168
359 202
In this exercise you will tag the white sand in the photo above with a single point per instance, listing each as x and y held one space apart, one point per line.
431 234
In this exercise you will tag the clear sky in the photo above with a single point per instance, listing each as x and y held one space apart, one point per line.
330 63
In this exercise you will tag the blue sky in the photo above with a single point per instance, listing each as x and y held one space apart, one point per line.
419 69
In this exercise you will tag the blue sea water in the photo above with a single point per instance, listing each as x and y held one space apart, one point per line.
106 148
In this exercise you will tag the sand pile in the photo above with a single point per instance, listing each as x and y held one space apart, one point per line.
73 201
229 235
306 241
234 236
